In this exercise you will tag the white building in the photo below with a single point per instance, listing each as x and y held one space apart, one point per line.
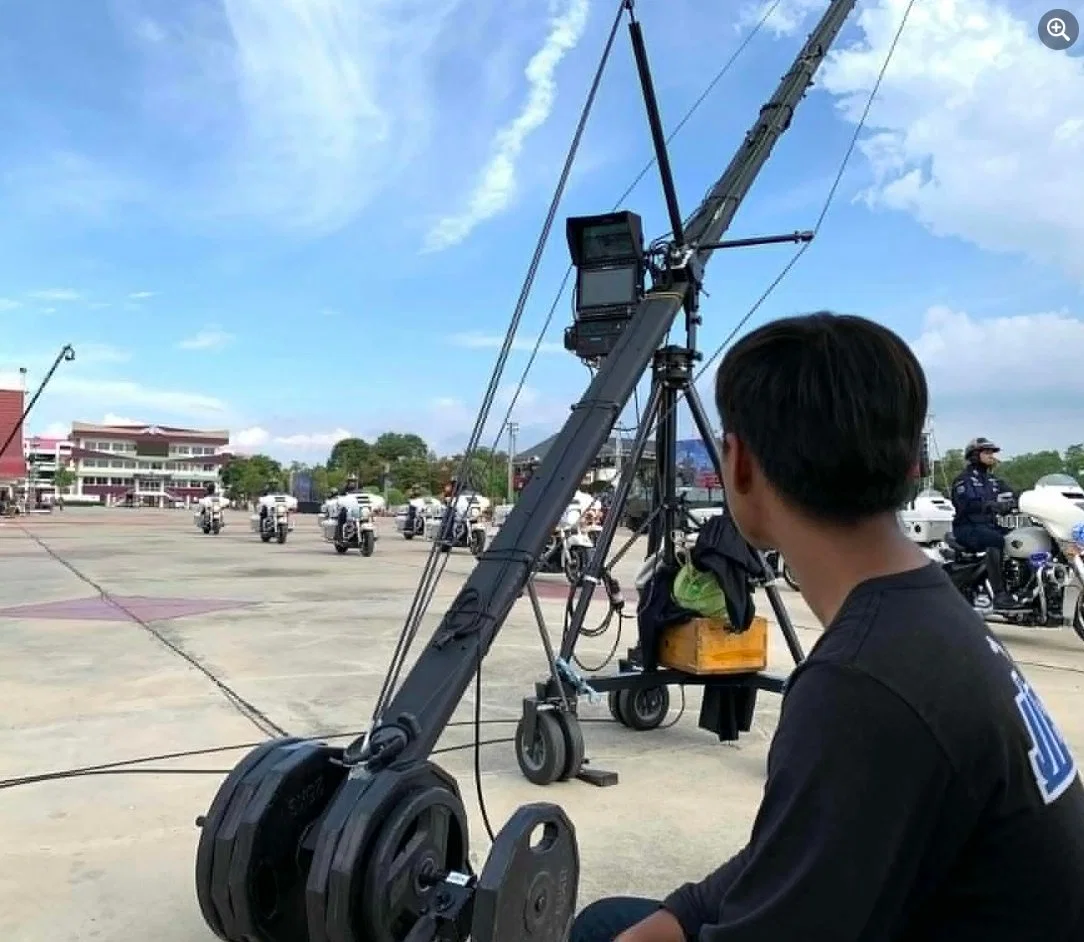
155 465
44 457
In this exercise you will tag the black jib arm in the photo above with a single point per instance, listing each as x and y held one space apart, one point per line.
417 715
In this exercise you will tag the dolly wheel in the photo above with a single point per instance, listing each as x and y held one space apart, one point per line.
575 749
543 760
644 708
613 701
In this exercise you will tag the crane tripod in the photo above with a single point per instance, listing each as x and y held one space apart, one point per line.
305 842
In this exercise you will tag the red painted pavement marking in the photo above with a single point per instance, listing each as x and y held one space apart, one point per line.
145 608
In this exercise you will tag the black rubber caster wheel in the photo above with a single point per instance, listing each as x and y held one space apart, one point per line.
613 701
575 749
644 708
543 760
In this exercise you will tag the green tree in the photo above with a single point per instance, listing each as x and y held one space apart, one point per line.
244 478
947 467
1074 461
356 456
1022 471
63 479
400 446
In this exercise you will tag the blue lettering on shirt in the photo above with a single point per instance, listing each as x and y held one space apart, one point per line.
1052 763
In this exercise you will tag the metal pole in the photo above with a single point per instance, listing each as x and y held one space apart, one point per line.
513 429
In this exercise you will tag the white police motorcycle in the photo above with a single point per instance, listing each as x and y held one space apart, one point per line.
411 519
462 524
1044 559
570 546
273 519
209 516
348 523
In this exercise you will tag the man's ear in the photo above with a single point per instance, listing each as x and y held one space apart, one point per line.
738 461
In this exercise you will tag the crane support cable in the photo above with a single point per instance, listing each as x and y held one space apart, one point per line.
434 568
644 171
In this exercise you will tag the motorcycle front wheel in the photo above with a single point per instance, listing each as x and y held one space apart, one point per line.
1078 615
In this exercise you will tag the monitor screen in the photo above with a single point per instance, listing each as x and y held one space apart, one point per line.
607 287
608 241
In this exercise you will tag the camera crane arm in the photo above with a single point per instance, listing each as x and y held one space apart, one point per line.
420 710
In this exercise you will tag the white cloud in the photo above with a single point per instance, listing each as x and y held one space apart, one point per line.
256 437
977 130
312 440
1016 379
121 393
318 105
141 295
99 305
111 418
56 430
497 182
55 294
7 304
210 338
787 17
250 437
474 340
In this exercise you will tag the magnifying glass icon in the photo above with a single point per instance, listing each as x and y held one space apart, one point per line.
1056 27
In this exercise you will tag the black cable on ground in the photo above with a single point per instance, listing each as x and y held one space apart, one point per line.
253 714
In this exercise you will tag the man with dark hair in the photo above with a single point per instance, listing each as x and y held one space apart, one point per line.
917 789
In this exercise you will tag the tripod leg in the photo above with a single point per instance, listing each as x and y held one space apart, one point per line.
786 626
605 539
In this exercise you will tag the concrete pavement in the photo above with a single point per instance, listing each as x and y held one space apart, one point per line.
212 641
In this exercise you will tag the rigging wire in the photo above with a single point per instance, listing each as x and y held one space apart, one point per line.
249 711
829 199
689 112
433 570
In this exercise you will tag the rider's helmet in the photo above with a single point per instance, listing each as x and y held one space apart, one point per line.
210 487
351 484
267 489
977 446
415 491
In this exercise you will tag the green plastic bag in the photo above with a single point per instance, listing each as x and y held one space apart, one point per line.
699 592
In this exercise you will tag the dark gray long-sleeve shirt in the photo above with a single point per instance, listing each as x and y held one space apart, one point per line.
917 790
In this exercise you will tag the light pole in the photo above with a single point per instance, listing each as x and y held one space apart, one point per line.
513 430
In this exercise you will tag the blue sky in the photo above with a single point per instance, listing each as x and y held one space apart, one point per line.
298 221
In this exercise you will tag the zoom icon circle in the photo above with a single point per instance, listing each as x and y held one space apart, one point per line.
1059 30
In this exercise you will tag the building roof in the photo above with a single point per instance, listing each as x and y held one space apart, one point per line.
171 432
609 450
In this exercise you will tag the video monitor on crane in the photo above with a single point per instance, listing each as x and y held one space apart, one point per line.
608 254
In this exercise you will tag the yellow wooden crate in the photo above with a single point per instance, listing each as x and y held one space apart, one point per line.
705 646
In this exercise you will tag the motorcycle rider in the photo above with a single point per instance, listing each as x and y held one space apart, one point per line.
976 497
209 491
266 491
350 487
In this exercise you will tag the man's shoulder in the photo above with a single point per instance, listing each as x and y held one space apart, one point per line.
917 638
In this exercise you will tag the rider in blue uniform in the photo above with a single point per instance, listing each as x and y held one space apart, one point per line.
976 497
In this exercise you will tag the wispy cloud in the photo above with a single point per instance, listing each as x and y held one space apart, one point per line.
55 294
65 183
318 105
141 295
7 304
120 393
479 341
497 183
259 437
210 338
